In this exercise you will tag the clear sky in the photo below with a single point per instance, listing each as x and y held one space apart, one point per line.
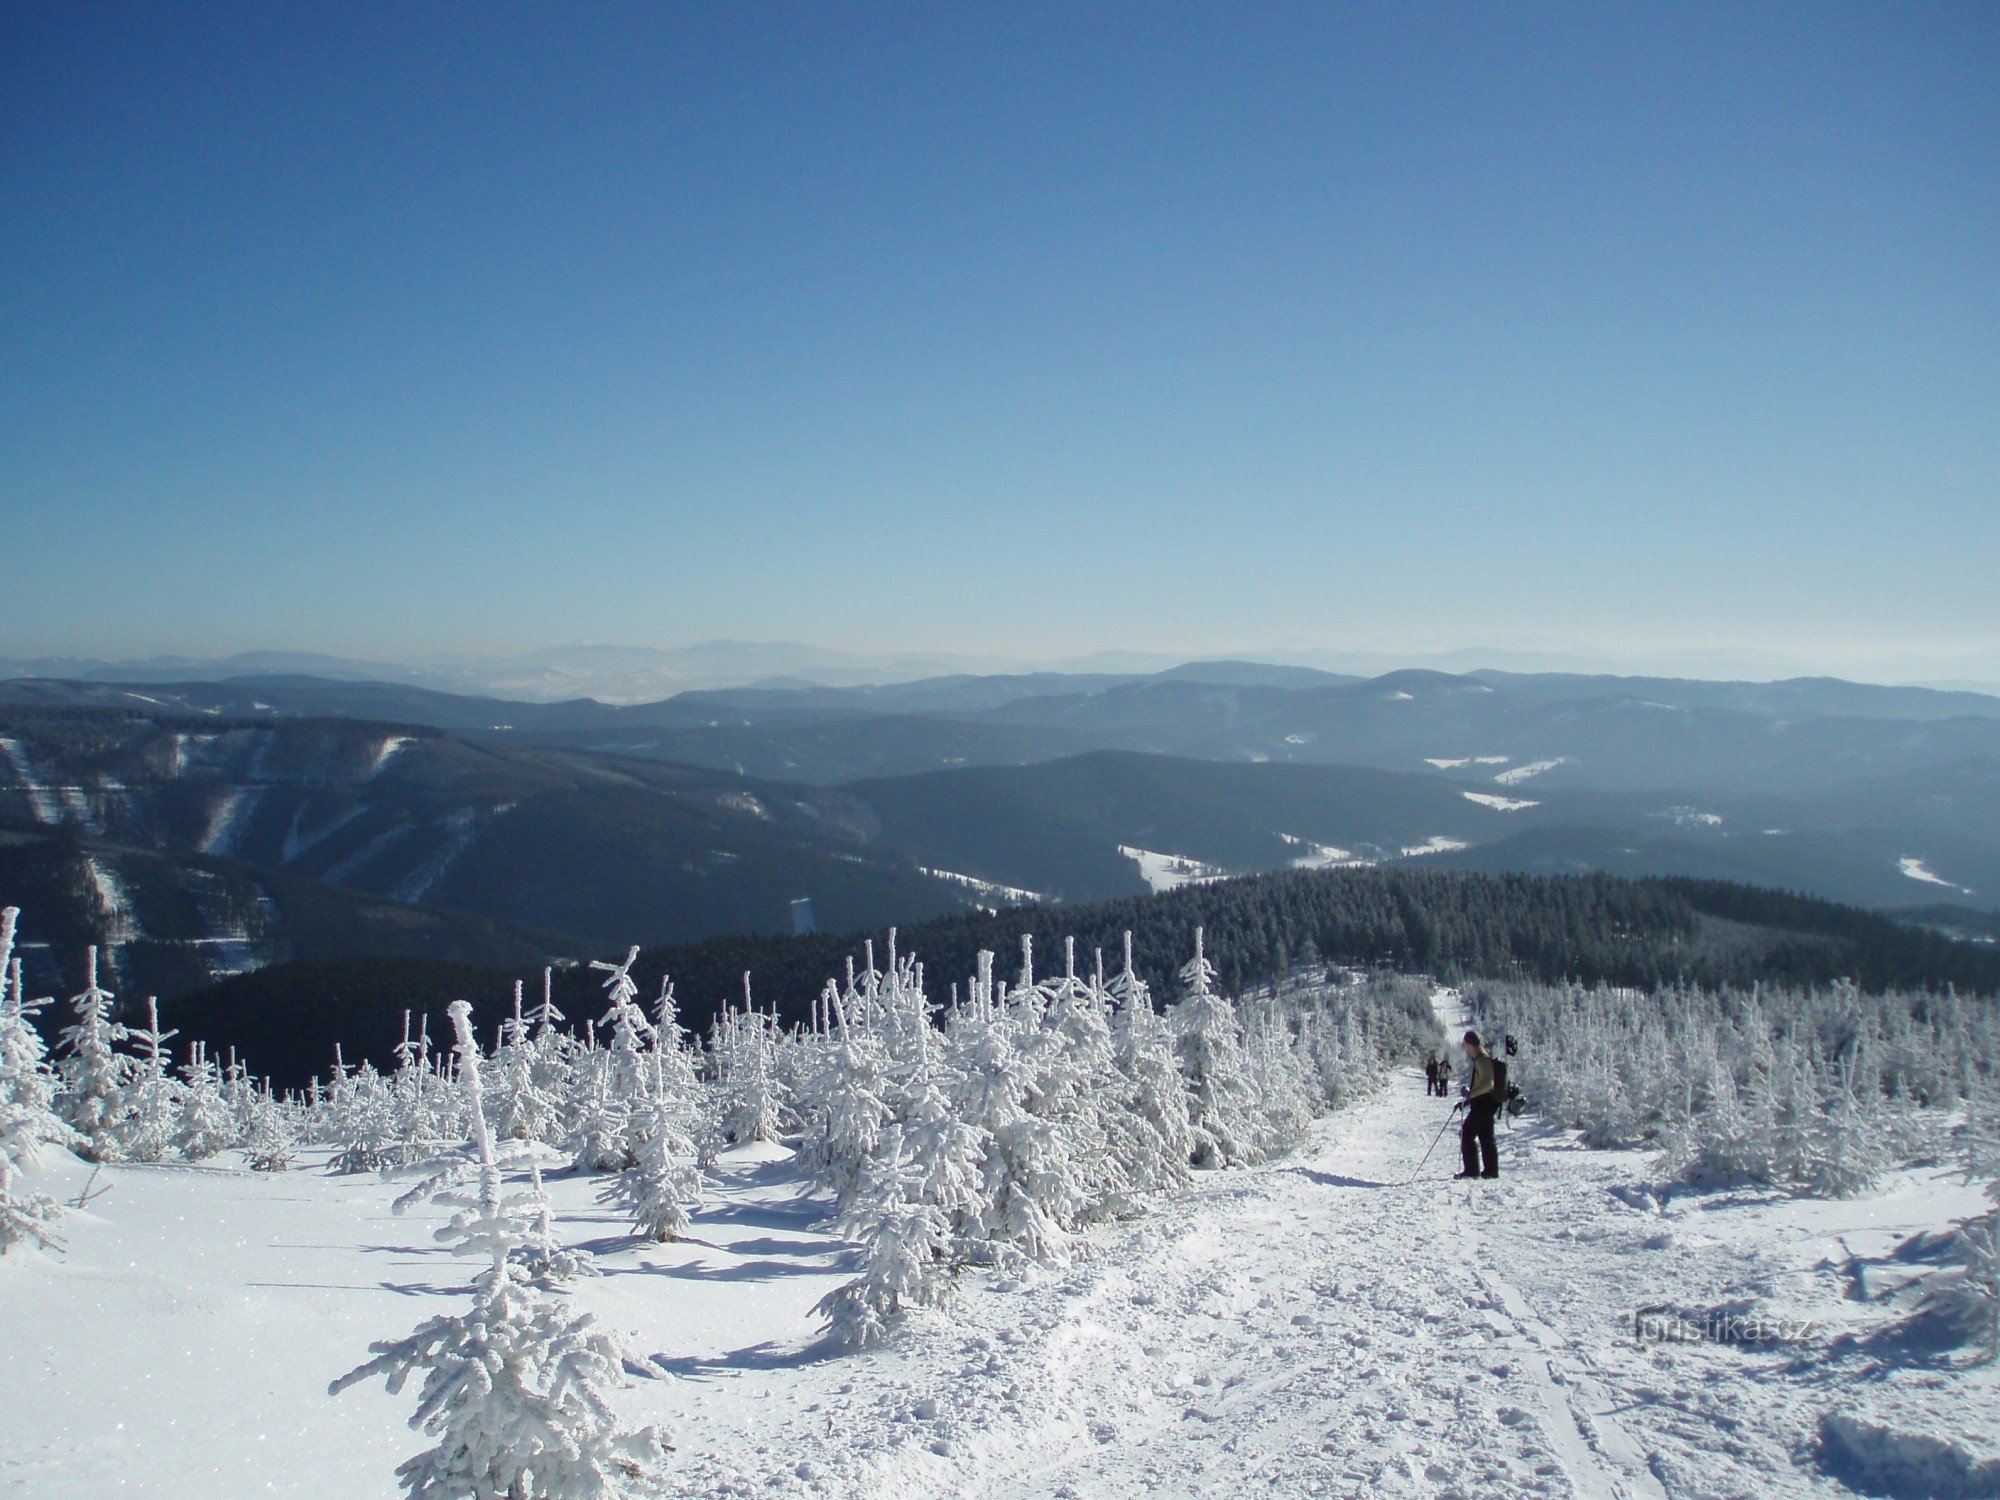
394 329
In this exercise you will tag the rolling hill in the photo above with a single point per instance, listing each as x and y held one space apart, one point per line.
153 814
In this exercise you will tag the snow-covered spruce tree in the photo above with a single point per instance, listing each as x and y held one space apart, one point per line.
1282 1086
267 1142
1080 1091
846 1109
362 1121
947 1154
421 1119
600 1138
28 1086
520 1103
514 1389
93 1072
627 1026
1977 1245
663 1182
26 1216
1157 1137
27 1121
207 1125
149 1112
1029 1194
1222 1104
611 1082
905 1244
752 1098
546 1260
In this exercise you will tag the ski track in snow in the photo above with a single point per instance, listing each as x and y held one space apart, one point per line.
384 753
297 842
225 822
40 802
114 904
459 832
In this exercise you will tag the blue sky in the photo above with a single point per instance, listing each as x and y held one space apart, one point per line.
390 330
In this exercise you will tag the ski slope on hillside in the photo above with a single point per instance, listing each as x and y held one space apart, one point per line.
1319 1325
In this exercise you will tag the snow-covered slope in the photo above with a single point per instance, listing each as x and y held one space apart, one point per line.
1321 1325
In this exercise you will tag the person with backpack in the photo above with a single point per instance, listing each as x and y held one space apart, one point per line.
1433 1069
1485 1090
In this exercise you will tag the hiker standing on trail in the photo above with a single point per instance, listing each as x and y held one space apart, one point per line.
1478 1153
1431 1069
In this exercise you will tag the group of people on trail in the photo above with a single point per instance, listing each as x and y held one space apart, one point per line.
1437 1076
1482 1098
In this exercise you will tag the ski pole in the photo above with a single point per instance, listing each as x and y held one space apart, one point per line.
1433 1146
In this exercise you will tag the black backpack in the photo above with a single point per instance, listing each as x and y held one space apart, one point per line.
1508 1095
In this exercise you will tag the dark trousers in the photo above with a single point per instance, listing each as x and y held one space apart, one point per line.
1478 1152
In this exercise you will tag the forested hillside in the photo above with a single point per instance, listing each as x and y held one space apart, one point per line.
1455 925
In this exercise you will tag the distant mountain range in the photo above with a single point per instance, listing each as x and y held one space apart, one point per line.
638 674
200 828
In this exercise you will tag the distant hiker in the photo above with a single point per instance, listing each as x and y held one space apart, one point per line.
1478 1153
1432 1070
1509 1045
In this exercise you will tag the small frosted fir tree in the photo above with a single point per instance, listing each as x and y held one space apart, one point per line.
522 1106
514 1389
93 1072
905 1244
1157 1136
150 1115
947 1155
207 1123
664 1180
27 1083
1222 1104
1028 1191
845 1109
753 1101
27 1123
601 1138
268 1142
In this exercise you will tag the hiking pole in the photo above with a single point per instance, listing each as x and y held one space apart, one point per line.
1434 1145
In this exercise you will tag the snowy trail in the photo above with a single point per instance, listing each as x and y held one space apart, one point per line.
1311 1327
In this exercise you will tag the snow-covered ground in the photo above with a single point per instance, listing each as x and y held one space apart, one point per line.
1318 856
1321 1325
1917 870
385 752
1499 803
1515 775
992 890
1694 817
1437 843
1167 872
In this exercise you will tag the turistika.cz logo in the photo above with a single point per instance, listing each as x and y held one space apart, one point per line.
1672 1325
